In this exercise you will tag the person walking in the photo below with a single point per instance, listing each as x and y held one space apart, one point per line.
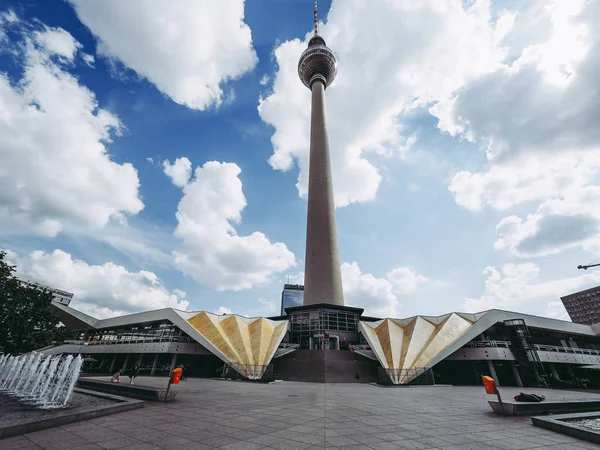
134 372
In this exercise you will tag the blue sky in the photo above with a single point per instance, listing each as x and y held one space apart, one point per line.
465 162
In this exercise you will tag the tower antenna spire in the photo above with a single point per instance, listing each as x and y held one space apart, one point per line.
316 19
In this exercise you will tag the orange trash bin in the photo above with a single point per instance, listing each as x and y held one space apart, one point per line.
176 375
489 384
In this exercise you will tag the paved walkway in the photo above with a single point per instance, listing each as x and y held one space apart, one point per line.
289 416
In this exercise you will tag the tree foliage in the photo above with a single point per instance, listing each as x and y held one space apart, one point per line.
26 322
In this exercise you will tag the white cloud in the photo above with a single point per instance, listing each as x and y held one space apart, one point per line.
264 80
212 252
179 172
55 171
515 286
57 41
223 310
394 56
556 310
535 117
150 160
405 280
101 291
7 18
378 296
88 59
187 48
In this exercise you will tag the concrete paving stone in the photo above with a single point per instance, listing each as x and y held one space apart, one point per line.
177 443
201 435
266 440
218 440
242 445
413 445
89 446
285 434
16 442
96 436
290 445
469 446
391 437
310 439
30 446
54 442
457 439
60 445
339 440
125 442
143 446
385 446
515 444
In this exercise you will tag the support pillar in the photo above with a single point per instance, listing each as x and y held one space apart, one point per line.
154 364
173 362
125 362
493 371
570 369
553 370
102 361
476 373
112 365
516 373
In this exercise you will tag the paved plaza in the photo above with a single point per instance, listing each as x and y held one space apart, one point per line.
286 415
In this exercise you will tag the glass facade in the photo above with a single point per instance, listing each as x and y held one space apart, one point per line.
292 295
137 334
324 328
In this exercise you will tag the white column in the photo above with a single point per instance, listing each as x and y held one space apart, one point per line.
553 370
493 371
154 364
173 362
516 373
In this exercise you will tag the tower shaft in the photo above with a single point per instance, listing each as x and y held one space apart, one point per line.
322 274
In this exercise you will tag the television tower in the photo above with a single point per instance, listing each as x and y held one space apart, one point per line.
317 69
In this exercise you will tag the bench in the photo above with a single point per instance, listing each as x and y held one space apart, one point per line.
128 390
512 408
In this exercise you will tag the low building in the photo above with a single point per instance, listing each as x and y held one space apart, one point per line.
59 296
332 343
583 307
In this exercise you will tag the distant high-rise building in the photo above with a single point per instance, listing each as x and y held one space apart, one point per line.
317 69
62 297
292 295
583 307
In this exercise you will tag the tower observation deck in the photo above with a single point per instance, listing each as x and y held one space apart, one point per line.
317 69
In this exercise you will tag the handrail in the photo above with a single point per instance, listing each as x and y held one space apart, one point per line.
539 347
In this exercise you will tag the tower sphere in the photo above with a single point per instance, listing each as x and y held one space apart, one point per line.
317 62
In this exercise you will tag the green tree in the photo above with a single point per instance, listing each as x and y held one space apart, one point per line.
26 322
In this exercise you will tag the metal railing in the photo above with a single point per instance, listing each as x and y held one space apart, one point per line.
561 349
480 344
185 340
539 347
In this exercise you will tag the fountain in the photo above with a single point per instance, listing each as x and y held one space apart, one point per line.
43 382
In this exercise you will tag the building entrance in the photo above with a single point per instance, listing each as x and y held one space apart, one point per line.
324 342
